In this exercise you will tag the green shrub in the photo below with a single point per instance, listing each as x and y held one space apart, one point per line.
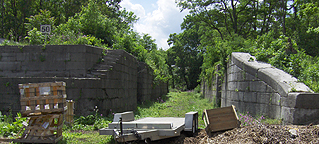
9 128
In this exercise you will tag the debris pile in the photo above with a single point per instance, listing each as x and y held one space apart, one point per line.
255 134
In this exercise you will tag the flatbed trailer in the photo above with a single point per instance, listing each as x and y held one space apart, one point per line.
124 128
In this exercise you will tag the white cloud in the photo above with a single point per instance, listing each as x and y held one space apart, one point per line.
159 23
136 8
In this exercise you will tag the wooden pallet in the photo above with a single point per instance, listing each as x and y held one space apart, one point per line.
45 104
42 98
220 119
43 129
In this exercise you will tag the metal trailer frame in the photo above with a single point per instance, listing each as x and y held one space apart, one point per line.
124 128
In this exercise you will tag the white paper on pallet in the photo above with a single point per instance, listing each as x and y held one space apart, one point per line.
22 92
45 90
45 125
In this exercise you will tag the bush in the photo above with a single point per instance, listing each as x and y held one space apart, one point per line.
8 127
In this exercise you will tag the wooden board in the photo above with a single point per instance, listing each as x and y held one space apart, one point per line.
45 104
220 119
42 98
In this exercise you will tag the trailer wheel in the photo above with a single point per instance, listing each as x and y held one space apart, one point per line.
147 140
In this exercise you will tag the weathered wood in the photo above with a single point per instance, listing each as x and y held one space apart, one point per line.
45 104
220 119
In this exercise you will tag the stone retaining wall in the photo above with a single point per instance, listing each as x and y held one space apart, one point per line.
260 89
94 77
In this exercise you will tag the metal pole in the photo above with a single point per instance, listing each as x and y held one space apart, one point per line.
121 127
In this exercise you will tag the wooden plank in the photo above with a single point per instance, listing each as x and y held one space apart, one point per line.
43 97
219 111
224 125
6 140
59 110
223 117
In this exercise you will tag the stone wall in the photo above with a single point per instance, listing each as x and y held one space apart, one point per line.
147 90
107 79
212 89
260 89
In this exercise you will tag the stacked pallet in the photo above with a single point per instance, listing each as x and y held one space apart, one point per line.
44 104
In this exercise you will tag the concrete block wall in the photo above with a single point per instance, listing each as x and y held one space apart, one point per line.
260 89
147 89
115 89
145 83
46 61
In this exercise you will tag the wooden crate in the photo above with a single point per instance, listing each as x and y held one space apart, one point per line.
43 129
45 105
220 119
42 98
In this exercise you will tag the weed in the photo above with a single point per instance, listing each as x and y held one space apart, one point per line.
21 48
43 47
42 58
246 119
7 84
10 128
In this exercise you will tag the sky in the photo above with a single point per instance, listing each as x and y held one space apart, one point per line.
158 18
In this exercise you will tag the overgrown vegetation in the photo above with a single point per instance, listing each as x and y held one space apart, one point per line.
10 126
284 34
84 129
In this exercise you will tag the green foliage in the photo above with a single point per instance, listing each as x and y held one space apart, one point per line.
88 137
8 127
43 18
175 104
35 37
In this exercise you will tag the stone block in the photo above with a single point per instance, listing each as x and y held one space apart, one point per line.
275 99
262 109
281 81
241 96
275 111
250 108
289 101
8 57
234 96
307 101
287 114
13 66
258 86
74 65
55 49
250 97
88 93
232 86
75 48
264 98
73 94
78 57
250 77
243 86
269 89
305 116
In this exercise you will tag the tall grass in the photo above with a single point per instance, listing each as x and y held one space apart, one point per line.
175 104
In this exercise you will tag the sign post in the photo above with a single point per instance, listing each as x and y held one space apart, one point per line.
45 29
